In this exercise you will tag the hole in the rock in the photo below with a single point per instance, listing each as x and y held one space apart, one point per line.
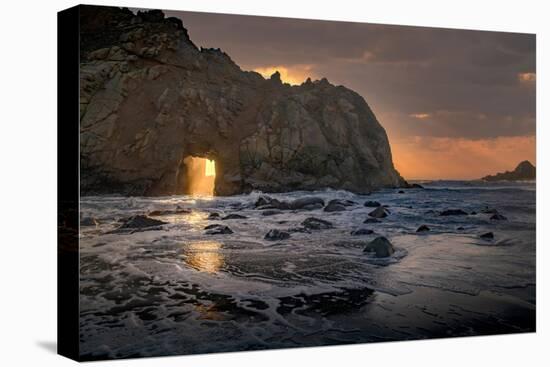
201 176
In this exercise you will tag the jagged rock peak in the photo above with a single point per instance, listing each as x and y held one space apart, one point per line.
523 171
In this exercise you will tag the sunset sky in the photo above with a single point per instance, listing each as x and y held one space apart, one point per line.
456 104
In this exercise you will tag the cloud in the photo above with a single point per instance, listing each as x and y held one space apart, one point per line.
527 78
420 116
457 124
421 82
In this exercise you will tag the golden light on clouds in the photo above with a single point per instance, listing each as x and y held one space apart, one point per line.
294 75
527 78
459 158
420 116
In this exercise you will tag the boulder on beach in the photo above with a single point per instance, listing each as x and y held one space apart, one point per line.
213 216
372 204
213 229
380 247
269 212
498 216
400 192
335 206
178 210
379 212
316 223
450 212
362 232
307 203
138 223
488 210
487 236
276 235
234 216
423 228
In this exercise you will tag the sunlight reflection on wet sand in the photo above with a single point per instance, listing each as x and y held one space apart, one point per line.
204 256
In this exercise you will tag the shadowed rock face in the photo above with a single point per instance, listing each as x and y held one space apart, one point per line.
524 171
149 98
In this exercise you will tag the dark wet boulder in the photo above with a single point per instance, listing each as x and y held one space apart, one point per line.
379 247
473 213
312 207
269 212
139 223
316 223
234 216
487 236
379 212
217 229
158 213
498 216
334 206
276 235
450 212
423 228
263 201
400 192
214 216
415 186
488 210
267 202
362 232
307 203
88 222
371 220
460 229
372 204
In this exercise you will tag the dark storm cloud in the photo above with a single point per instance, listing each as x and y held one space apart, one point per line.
454 76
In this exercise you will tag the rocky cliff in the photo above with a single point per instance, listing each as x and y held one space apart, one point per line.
524 171
149 98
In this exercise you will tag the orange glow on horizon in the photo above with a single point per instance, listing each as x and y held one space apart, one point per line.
432 158
293 75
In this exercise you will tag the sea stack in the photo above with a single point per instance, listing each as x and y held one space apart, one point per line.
523 172
262 134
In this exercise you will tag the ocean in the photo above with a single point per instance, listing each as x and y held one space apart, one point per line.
177 290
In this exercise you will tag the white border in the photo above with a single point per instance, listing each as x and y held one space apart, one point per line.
28 154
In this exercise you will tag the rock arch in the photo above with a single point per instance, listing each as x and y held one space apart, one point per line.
150 97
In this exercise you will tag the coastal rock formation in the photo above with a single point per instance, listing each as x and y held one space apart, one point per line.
149 98
380 247
524 171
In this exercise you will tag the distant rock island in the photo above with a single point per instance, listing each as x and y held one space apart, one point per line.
524 171
149 98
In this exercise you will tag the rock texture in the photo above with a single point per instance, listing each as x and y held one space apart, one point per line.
524 171
149 98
